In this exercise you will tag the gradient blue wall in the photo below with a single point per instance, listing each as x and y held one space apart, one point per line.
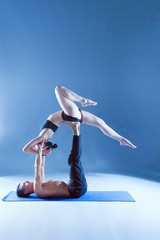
104 50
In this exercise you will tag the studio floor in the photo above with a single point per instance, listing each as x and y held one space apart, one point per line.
84 220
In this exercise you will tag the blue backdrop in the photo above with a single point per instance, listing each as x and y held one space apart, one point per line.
104 50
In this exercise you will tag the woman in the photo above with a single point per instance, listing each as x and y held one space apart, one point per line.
70 112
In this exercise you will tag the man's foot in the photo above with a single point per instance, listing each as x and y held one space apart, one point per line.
75 126
86 102
126 142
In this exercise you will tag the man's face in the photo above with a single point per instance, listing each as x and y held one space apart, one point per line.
27 186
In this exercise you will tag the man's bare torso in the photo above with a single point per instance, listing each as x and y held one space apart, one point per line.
53 189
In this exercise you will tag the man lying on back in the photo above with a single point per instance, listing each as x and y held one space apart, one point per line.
77 185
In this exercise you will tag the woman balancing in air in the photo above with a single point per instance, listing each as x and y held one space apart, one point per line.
71 112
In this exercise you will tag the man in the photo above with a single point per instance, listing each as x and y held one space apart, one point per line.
58 189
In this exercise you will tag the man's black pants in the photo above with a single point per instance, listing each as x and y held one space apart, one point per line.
77 185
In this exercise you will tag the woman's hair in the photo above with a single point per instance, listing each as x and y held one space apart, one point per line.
50 145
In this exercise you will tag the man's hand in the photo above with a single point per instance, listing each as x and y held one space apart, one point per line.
40 146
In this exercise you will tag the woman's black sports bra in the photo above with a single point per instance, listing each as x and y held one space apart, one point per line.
50 125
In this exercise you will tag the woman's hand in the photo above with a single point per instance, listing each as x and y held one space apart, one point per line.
44 149
32 146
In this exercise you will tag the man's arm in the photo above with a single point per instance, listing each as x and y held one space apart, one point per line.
39 171
61 188
42 168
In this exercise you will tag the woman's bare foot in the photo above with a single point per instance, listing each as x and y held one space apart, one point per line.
124 142
86 102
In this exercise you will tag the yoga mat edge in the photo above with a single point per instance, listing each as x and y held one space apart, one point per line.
93 196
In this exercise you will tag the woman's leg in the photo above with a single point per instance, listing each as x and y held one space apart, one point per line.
93 120
66 99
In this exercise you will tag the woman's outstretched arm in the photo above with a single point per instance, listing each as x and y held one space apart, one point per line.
44 135
31 147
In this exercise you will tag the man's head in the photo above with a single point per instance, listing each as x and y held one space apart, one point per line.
25 189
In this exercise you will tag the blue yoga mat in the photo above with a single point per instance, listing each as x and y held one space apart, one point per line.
97 196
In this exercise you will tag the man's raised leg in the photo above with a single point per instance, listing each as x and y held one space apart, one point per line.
77 185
